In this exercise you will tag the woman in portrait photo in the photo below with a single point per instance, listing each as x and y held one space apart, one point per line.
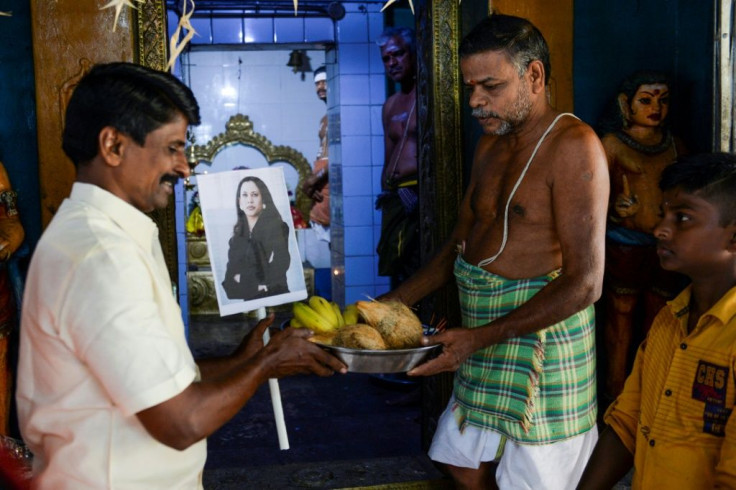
258 255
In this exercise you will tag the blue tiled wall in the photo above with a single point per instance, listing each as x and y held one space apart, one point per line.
358 152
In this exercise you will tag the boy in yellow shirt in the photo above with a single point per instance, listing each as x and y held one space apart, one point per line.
672 420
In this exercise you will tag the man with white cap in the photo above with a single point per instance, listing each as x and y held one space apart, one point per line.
317 185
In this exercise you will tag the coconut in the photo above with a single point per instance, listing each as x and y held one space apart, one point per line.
322 338
359 336
397 323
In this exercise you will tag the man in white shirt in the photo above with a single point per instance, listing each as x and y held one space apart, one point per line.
109 395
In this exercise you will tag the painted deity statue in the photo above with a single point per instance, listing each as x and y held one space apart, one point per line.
638 148
11 238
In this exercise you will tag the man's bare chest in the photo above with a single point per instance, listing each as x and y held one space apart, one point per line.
514 192
401 126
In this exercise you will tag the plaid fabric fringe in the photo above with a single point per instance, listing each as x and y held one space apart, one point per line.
536 388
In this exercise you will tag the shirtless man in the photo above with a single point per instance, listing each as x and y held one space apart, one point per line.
527 255
398 248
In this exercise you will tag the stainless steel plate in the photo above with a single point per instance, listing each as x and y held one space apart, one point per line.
381 361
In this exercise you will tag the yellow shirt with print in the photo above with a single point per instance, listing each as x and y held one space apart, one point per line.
673 413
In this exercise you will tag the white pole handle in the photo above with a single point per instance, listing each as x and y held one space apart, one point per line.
273 385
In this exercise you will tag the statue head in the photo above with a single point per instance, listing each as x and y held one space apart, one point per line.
643 99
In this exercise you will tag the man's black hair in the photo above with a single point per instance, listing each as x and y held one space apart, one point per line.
319 70
405 33
131 98
517 37
710 176
269 213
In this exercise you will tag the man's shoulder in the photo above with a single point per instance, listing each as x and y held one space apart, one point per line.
569 127
559 131
390 101
76 230
573 138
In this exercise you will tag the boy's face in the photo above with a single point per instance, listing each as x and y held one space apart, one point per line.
690 238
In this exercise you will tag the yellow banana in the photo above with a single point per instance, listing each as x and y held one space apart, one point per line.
311 319
323 308
338 314
294 322
350 314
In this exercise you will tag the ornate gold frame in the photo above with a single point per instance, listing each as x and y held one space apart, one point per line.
239 131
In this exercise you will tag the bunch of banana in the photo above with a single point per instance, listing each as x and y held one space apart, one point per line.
351 314
319 314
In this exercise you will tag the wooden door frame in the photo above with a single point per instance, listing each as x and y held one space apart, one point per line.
440 128
151 39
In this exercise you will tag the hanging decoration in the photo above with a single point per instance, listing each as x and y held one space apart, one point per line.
389 2
411 4
119 4
176 46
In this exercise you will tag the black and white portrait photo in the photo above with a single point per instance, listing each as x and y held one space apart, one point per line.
250 239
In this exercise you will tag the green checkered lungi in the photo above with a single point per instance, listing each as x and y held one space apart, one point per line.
537 388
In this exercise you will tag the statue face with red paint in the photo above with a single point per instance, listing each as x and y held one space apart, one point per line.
649 105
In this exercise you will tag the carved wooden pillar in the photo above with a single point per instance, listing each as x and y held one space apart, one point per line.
150 38
440 167
69 36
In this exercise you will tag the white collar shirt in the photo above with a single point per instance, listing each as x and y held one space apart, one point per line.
102 339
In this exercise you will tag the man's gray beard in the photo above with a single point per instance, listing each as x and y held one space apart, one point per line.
517 115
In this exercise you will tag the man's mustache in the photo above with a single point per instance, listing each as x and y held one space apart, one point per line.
173 179
482 114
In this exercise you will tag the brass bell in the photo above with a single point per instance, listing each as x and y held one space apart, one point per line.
299 62
306 66
295 60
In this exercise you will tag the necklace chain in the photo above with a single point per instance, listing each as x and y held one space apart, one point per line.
648 149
